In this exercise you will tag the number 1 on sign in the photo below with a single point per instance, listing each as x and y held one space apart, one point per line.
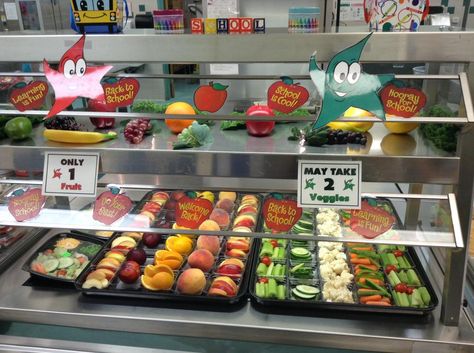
72 173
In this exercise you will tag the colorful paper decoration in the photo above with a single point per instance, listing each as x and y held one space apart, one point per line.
121 93
24 205
281 215
395 15
370 221
285 96
28 97
402 101
345 85
110 206
190 213
74 78
211 97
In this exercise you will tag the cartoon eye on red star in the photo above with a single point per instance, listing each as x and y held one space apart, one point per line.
74 78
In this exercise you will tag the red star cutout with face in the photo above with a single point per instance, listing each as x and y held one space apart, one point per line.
57 173
74 78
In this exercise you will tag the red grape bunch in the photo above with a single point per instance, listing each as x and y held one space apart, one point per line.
136 129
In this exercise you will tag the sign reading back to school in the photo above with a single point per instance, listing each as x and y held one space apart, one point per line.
329 184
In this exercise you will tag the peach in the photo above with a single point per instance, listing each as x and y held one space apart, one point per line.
202 259
227 195
221 217
209 224
192 281
226 204
210 243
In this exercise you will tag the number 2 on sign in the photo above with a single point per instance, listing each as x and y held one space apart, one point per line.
330 184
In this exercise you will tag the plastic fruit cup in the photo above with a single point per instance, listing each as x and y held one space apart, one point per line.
259 128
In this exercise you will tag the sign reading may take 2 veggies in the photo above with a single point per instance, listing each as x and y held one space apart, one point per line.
329 184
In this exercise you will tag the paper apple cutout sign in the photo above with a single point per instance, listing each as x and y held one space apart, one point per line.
402 101
110 206
121 93
210 98
24 205
285 96
281 215
29 96
370 221
191 212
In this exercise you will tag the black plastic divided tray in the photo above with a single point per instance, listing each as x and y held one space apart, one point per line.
51 243
136 291
118 288
295 306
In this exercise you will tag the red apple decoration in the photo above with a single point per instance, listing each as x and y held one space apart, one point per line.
151 240
259 128
99 105
210 98
285 96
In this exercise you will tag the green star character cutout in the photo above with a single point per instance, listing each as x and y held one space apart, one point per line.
348 184
344 85
309 184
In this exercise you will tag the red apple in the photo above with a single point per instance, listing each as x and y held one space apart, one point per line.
137 255
129 272
99 105
259 128
151 240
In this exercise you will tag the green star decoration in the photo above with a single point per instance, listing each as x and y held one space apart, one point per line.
310 184
348 185
344 85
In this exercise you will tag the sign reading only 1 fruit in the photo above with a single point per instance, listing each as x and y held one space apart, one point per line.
329 184
70 174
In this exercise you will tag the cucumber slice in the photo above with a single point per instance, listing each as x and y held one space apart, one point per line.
65 262
50 265
308 290
300 252
297 267
300 295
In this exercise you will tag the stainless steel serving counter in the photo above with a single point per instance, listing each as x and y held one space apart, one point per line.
66 307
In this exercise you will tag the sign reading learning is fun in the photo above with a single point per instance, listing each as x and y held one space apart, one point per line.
329 184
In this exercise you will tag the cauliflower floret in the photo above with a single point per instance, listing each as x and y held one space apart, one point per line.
327 217
347 276
329 229
326 272
341 256
322 252
338 266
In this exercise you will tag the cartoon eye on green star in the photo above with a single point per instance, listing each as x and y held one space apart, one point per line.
345 85
348 184
309 184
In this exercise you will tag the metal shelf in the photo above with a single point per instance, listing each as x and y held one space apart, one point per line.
68 308
271 47
238 155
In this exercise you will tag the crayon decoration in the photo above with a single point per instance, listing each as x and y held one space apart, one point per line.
303 19
168 21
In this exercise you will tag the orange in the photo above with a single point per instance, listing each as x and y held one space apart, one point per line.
162 281
173 264
181 245
176 126
167 255
146 282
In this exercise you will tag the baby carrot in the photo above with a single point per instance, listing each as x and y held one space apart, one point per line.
381 303
370 298
361 261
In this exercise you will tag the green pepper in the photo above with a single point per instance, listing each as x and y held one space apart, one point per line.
18 128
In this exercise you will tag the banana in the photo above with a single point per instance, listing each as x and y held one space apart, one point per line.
77 136
351 126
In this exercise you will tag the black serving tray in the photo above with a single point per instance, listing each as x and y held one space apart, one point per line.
135 293
316 307
49 244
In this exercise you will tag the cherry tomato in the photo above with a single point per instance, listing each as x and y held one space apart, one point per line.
274 243
390 268
263 280
409 290
266 260
398 253
401 288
